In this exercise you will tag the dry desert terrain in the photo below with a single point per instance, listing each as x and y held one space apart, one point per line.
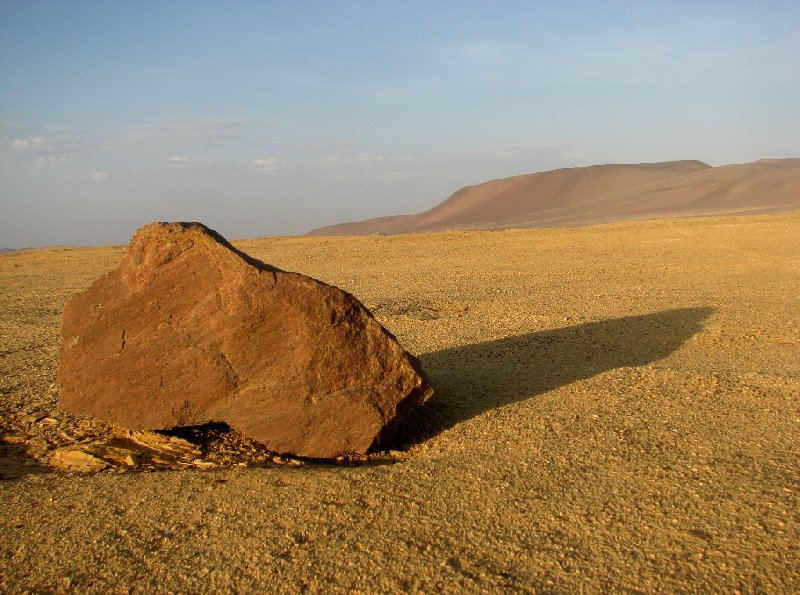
617 410
578 196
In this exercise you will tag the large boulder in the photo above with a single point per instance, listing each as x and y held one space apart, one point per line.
188 330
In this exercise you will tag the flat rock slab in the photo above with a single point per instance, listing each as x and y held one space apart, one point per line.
188 330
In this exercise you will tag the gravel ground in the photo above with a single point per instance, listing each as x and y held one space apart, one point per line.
617 409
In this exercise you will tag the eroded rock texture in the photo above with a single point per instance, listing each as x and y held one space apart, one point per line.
188 330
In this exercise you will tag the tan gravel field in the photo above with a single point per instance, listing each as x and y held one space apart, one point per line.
617 409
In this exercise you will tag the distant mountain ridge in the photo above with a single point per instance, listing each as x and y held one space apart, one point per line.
601 194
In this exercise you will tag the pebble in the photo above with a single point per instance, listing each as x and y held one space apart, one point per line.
33 418
15 438
69 459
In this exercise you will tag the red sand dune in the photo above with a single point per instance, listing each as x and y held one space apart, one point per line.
602 194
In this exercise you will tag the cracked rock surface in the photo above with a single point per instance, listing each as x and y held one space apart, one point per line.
188 330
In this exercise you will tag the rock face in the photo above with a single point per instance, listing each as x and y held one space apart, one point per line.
188 330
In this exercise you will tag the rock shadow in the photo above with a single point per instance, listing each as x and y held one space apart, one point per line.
473 379
16 462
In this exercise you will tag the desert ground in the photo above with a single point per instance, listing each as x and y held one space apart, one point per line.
617 409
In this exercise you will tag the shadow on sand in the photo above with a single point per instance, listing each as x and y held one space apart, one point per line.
476 378
15 462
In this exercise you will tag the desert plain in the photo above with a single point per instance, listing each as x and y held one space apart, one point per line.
617 409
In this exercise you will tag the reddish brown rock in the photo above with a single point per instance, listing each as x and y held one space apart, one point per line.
188 330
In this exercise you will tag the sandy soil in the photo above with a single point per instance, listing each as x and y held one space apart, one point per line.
617 409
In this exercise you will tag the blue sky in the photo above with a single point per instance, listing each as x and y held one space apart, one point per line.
271 118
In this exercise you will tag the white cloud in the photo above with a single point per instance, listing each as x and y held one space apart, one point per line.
356 159
52 162
34 143
367 158
269 161
269 165
178 132
189 160
171 139
334 145
98 176
513 149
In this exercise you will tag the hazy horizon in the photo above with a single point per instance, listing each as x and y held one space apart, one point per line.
262 119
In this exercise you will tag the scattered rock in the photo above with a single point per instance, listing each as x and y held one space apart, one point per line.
201 464
165 446
33 418
15 438
188 330
73 459
37 446
128 457
125 449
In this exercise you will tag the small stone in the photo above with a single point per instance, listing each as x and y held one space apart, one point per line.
163 461
120 456
201 464
33 418
165 446
37 446
70 459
